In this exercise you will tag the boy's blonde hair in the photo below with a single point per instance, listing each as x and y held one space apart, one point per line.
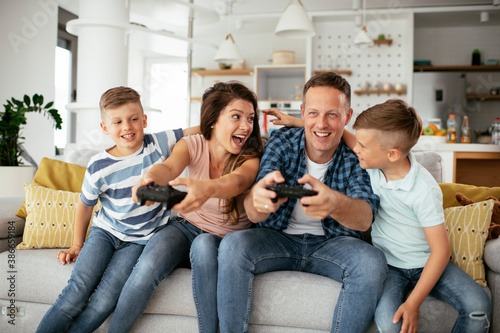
399 123
118 96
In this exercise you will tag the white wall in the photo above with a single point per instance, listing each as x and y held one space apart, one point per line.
29 37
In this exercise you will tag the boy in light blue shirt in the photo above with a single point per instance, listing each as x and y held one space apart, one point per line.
409 226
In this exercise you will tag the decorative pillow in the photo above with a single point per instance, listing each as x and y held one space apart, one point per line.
57 175
467 228
50 219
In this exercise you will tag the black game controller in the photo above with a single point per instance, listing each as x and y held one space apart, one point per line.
167 195
287 191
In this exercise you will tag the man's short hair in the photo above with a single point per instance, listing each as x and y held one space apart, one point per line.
329 79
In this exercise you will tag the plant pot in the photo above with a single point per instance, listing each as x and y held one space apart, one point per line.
12 179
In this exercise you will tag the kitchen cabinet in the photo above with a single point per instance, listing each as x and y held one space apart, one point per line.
279 82
477 168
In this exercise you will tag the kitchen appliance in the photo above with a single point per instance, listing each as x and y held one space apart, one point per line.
289 107
439 94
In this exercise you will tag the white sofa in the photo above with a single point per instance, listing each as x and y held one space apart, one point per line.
283 301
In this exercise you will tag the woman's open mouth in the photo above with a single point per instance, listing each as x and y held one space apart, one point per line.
239 140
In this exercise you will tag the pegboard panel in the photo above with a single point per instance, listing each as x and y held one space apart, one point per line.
333 48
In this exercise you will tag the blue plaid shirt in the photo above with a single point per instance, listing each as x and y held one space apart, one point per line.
285 151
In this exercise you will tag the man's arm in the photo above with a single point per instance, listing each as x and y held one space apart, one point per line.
258 203
354 214
191 130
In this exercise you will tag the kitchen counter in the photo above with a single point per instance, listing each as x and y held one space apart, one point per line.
466 163
438 144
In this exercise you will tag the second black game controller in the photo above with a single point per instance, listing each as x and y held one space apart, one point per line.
287 191
167 195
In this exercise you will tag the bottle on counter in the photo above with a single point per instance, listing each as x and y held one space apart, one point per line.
495 132
451 130
465 130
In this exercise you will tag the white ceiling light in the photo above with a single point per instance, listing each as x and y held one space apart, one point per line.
228 52
295 23
363 39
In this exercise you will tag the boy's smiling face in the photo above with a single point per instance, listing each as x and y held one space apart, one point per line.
125 124
371 154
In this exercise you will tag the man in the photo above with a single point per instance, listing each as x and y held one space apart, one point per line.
320 234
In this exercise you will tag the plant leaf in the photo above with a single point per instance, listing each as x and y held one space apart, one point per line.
48 105
27 100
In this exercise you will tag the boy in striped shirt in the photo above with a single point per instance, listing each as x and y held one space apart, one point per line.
121 227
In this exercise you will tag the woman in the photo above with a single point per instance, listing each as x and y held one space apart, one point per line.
223 162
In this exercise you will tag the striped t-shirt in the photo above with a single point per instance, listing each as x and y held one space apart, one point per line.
110 179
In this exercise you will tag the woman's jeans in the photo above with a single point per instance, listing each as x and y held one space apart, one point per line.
455 287
360 267
163 252
100 271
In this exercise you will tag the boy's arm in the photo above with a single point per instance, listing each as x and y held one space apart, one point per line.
440 255
191 130
83 215
350 139
283 118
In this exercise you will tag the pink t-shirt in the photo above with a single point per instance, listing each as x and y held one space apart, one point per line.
208 217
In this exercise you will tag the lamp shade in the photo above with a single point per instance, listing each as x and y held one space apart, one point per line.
295 23
228 52
362 39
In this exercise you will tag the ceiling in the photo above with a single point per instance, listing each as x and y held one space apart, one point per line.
170 13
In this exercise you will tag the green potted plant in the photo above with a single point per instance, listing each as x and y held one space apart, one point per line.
11 121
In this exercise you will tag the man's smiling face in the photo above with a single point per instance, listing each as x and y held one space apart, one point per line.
325 115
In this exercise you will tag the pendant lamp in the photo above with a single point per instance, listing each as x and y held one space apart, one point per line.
228 52
295 23
363 39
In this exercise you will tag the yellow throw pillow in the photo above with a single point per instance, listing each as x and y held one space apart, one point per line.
467 228
57 175
51 215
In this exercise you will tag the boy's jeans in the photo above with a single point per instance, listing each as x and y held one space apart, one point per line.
360 267
101 269
455 287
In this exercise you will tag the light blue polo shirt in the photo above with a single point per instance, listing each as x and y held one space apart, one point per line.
406 206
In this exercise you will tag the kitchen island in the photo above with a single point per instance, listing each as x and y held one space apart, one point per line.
466 163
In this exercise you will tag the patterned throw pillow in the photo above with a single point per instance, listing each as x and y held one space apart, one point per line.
50 219
57 175
467 228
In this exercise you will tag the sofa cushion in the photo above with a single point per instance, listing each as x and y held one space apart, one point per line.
475 193
50 219
57 175
492 254
467 228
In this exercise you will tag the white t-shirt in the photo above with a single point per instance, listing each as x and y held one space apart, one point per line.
300 223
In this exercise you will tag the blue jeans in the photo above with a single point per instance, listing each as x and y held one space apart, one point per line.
360 267
100 271
163 252
455 287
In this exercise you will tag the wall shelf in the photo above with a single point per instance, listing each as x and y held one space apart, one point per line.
483 97
336 71
387 42
215 72
482 68
368 92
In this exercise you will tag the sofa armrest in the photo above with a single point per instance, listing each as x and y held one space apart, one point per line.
8 209
491 254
